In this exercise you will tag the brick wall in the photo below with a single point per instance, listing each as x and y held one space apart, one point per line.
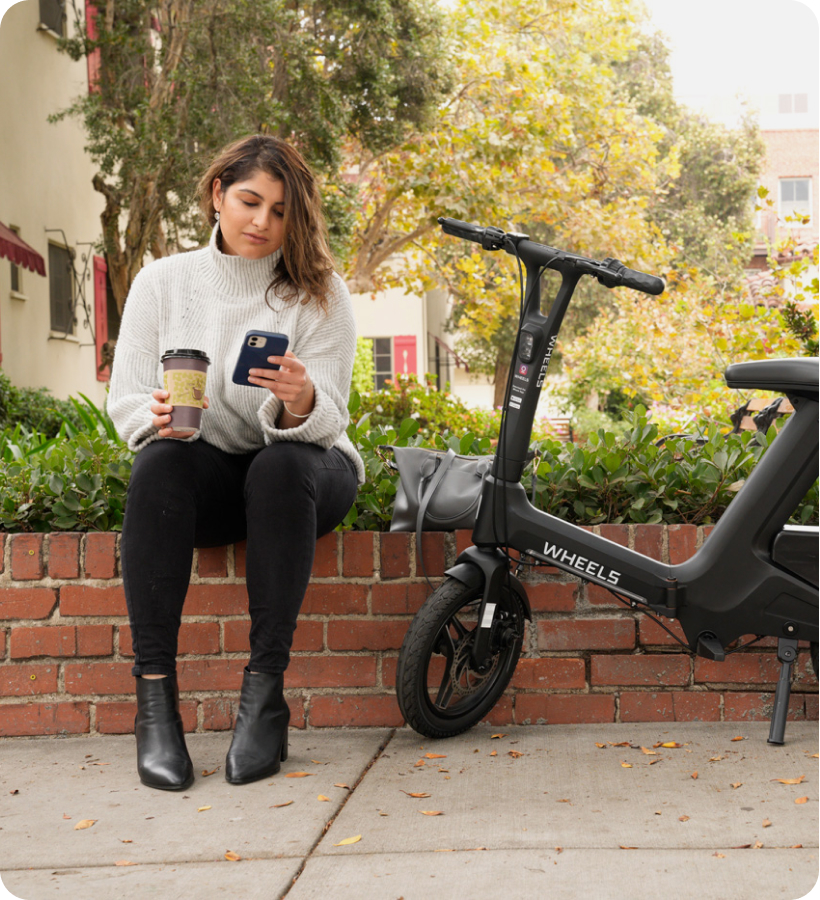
65 643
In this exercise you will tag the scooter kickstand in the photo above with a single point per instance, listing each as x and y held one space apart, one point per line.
787 654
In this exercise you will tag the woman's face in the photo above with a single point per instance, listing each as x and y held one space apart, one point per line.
250 215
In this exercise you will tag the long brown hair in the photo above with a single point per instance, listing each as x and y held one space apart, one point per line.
306 265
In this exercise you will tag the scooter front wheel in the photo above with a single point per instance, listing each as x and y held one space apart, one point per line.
440 693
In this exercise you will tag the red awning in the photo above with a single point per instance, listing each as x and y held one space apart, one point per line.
19 252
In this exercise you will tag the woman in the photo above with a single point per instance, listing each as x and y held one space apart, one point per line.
271 462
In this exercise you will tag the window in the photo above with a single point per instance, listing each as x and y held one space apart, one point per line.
789 103
795 199
52 16
60 287
383 360
16 272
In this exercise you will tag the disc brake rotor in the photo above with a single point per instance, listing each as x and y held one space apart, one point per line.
464 678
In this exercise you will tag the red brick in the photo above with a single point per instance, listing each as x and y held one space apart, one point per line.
335 599
586 634
298 717
240 554
117 717
501 713
43 640
811 707
552 596
707 530
64 555
23 680
26 557
364 634
212 562
658 670
651 634
395 554
549 674
432 549
646 706
101 555
464 539
331 671
368 710
558 709
19 720
216 600
742 706
598 596
326 558
391 598
83 600
95 640
435 670
357 553
98 678
619 534
219 713
211 674
649 541
682 540
696 706
27 603
739 668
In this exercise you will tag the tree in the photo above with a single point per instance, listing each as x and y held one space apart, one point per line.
178 79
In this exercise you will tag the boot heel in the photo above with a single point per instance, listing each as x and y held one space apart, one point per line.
283 754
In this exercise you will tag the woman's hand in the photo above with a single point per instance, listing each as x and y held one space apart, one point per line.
290 383
162 416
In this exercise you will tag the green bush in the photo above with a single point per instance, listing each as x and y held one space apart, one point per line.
34 409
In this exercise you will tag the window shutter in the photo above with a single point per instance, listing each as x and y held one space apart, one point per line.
404 346
93 58
100 315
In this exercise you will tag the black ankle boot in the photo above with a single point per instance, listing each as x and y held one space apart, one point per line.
162 757
260 738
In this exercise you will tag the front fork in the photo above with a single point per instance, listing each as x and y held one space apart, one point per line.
476 566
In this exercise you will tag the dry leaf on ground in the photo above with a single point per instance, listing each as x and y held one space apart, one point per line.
669 744
493 736
126 841
341 784
84 823
766 823
739 738
627 848
799 780
280 805
719 855
298 774
418 794
323 799
431 812
202 808
125 862
758 845
515 753
206 773
802 800
435 756
683 818
421 762
694 775
600 746
736 784
233 857
648 752
626 765
493 752
716 758
350 840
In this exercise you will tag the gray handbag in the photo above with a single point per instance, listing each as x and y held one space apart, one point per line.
437 491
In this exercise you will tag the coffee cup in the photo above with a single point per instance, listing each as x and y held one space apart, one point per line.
183 374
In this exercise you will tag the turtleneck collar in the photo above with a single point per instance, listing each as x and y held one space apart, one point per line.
237 276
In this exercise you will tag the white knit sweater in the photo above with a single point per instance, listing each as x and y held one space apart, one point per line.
207 300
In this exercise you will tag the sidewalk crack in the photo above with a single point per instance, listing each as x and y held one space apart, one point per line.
379 751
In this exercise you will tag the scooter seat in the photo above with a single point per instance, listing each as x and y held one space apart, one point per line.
789 376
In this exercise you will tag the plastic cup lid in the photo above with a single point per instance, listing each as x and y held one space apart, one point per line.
185 354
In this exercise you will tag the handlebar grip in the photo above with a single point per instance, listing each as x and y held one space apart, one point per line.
640 281
464 230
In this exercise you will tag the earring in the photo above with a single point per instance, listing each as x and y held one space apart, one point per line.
216 215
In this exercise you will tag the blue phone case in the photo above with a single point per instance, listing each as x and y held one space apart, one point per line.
257 346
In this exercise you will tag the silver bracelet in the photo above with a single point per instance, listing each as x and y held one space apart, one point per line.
295 415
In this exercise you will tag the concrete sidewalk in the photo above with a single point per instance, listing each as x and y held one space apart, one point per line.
538 811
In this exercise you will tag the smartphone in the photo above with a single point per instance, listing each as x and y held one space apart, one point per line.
257 346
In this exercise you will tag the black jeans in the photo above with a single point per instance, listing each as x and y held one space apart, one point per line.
185 495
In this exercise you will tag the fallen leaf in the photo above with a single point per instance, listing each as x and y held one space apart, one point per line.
796 847
445 850
515 753
125 862
799 780
653 761
298 775
383 813
719 855
65 816
766 823
350 840
648 752
233 857
683 818
600 746
814 756
563 801
802 800
421 762
742 847
280 805
126 841
627 848
84 823
494 736
738 738
435 756
619 744
559 849
202 808
323 799
716 758
626 765
341 784
671 744
318 762
758 845
15 791
493 752
658 812
431 812
694 775
446 770
419 794
736 784
206 773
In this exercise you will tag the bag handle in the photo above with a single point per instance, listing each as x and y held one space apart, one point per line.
424 502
